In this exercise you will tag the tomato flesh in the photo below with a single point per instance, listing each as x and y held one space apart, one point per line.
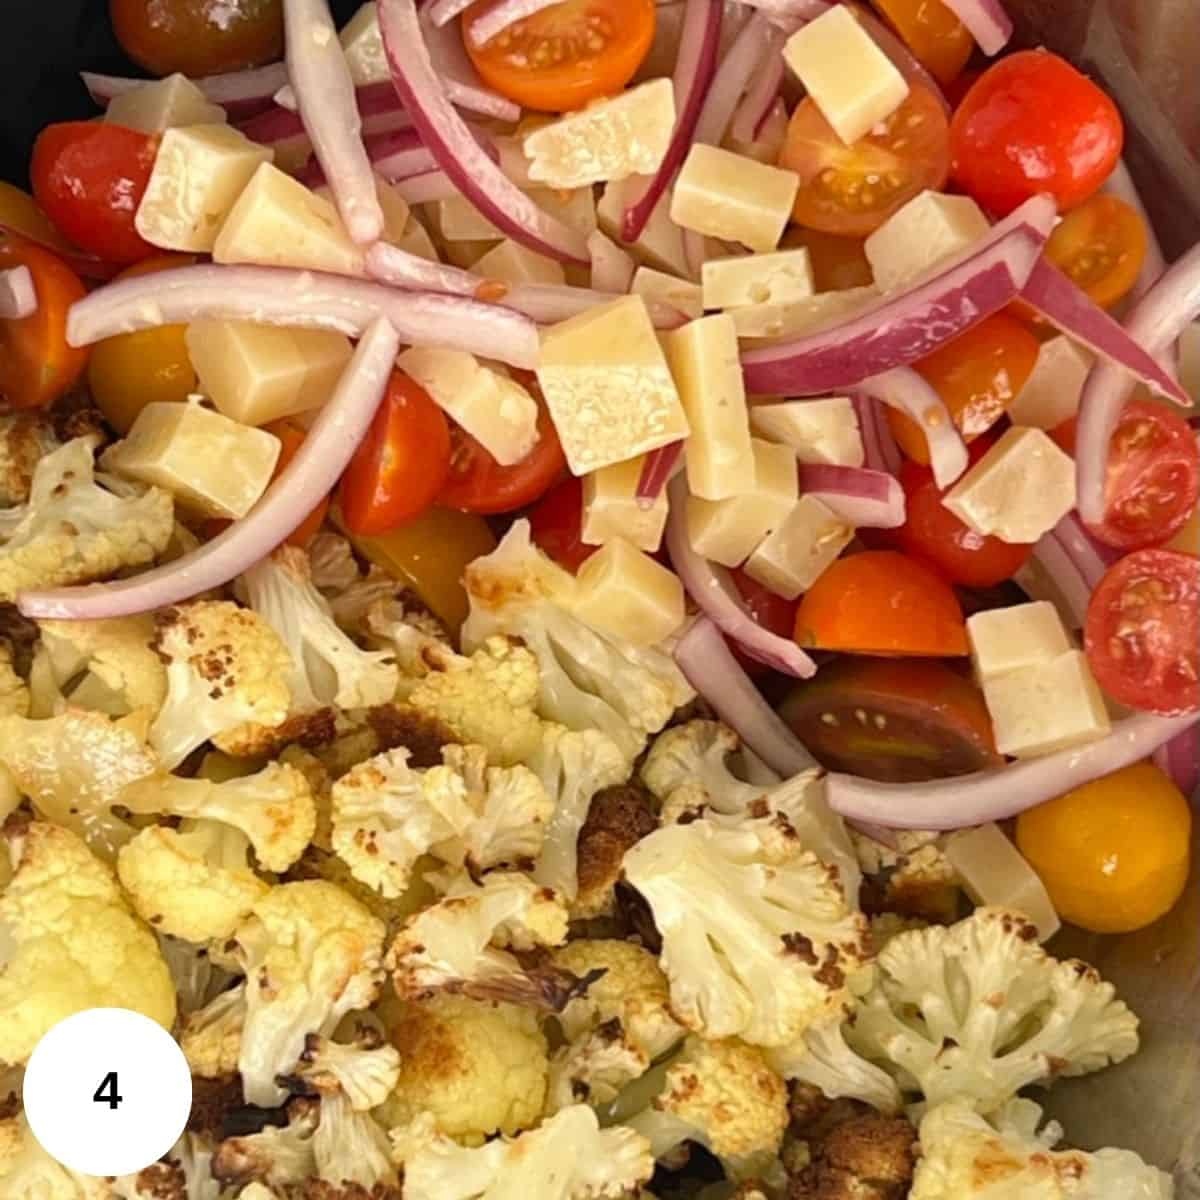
937 38
1101 245
837 262
556 525
773 613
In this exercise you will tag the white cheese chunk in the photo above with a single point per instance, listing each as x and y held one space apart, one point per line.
779 278
845 73
791 558
723 195
623 590
611 508
458 220
396 212
363 46
680 294
801 316
212 465
708 373
1021 488
1051 393
164 104
1045 707
929 229
819 431
625 135
513 161
728 531
198 175
511 263
416 240
660 244
494 409
1011 639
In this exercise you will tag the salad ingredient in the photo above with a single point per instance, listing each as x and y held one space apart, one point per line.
557 526
862 1153
1142 632
596 1068
1015 638
687 769
893 720
612 268
612 508
935 35
626 592
880 602
20 214
25 438
18 299
1120 184
1101 246
987 21
363 1071
838 263
1050 394
509 263
791 558
859 497
819 431
930 229
1033 123
163 104
778 278
241 94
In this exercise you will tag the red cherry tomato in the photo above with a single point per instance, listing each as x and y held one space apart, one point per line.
772 612
90 177
1142 633
1032 123
556 525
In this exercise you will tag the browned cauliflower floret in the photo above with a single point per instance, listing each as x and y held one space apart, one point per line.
26 437
855 1154
618 819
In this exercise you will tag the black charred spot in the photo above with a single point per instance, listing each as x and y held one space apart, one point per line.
213 1102
800 947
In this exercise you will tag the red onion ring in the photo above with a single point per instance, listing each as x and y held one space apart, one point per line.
311 475
861 497
880 452
1065 578
85 265
986 22
751 114
1120 184
394 156
427 188
612 268
1091 558
459 79
498 19
902 57
442 12
656 473
239 93
18 296
804 10
757 40
378 106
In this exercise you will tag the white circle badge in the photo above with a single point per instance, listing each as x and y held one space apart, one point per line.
107 1092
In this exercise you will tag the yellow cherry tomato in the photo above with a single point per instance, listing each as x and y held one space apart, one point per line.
1113 854
19 211
135 369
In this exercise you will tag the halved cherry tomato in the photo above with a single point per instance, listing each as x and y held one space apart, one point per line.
933 33
36 364
19 213
556 525
978 374
90 177
1152 480
881 602
1032 123
402 463
772 612
1101 245
854 189
1064 435
898 721
1142 633
291 437
956 91
562 57
837 262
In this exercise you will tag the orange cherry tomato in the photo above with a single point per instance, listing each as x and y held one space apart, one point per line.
978 374
562 57
291 437
1101 245
36 364
837 262
854 189
933 33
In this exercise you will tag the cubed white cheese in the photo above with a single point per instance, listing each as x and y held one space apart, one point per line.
681 294
494 409
1051 393
416 240
513 162
1021 488
1048 706
164 104
819 431
779 278
929 229
625 135
723 195
847 76
625 591
396 212
363 45
727 531
511 263
574 207
660 244
802 316
1011 639
708 373
611 508
458 220
198 175
791 558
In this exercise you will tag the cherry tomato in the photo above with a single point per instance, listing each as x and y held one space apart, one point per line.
1064 435
881 602
1142 633
562 57
854 189
291 437
198 37
837 262
1101 245
1032 123
402 463
1114 854
36 364
978 374
956 91
772 612
556 525
90 178
1152 481
933 33
899 721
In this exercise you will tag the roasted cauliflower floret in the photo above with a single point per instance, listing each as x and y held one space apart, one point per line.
14 692
26 437
618 818
364 1071
861 1156
914 877
595 1068
211 1037
278 1156
821 1058
352 1154
27 1172
687 768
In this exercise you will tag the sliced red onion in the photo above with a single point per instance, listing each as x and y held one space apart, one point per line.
1120 184
239 93
442 12
860 496
1002 792
301 299
898 329
427 188
393 156
880 452
378 106
459 79
498 18
18 296
85 265
986 22
751 114
1091 558
903 59
310 476
612 268
706 660
694 70
1064 583
656 473
757 40
804 10
1180 759
711 588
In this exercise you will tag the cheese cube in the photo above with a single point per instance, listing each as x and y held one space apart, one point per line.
608 386
725 196
680 294
728 531
1049 706
511 263
396 212
611 508
416 240
928 230
212 465
779 278
1051 393
363 47
198 176
848 77
164 104
610 139
790 559
801 316
513 161
626 592
256 374
458 220
708 373
1011 639
1021 488
575 207
819 431
495 410
660 244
